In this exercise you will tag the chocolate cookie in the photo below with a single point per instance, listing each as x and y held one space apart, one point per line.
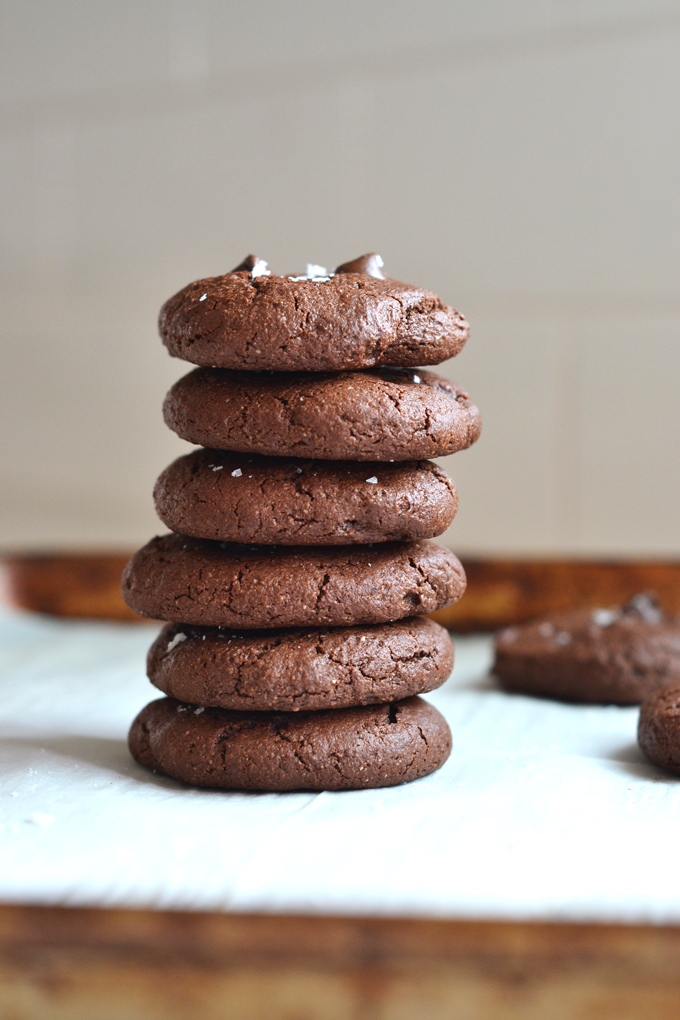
381 414
251 319
192 580
274 501
293 670
659 728
340 749
603 656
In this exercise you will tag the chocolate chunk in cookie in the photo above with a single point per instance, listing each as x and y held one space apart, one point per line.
294 670
234 497
318 321
377 415
340 749
191 580
614 656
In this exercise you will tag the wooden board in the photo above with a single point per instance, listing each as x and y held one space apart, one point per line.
500 591
108 964
506 591
141 965
66 584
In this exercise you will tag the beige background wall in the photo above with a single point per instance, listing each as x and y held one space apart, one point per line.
522 159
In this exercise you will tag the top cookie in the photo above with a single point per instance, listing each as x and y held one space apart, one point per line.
352 318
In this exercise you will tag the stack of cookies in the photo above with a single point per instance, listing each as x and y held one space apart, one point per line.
297 574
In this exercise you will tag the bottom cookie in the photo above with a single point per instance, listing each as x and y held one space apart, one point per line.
340 749
659 728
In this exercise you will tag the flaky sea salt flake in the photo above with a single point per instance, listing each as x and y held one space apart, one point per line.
177 640
312 270
604 617
260 269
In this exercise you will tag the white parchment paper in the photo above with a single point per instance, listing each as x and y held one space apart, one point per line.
543 810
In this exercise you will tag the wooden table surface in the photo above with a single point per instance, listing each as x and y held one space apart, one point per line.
100 964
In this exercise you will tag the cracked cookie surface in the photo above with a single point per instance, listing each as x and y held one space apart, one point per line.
375 415
234 497
340 749
347 321
191 580
294 670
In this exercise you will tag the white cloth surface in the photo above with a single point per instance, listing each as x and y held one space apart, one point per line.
544 810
